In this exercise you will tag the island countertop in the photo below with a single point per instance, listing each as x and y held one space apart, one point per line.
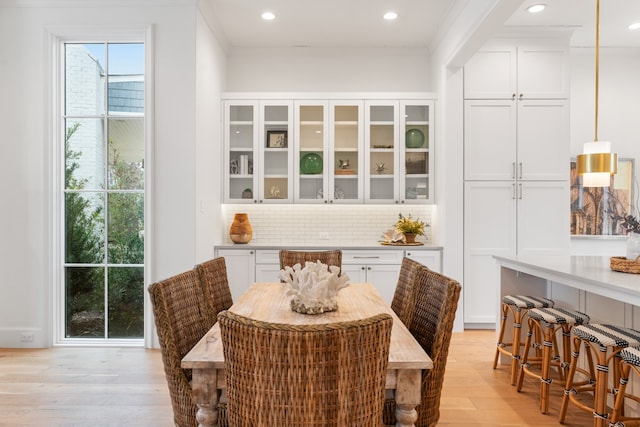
588 273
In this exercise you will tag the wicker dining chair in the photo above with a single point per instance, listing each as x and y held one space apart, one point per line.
215 283
181 318
402 295
291 258
430 320
305 375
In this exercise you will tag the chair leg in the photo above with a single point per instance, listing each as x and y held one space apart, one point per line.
618 407
525 356
515 349
545 377
503 324
577 343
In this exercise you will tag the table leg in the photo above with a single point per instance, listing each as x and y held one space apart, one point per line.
408 396
205 394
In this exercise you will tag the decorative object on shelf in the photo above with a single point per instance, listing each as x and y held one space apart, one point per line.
380 168
234 168
314 287
247 193
240 230
597 163
277 139
311 164
393 236
415 166
410 228
344 164
414 138
275 192
625 265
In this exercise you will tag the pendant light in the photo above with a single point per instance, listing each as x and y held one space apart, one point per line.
597 163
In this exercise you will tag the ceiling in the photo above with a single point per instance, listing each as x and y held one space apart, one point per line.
359 23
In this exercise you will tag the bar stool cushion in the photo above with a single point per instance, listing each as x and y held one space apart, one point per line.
631 355
557 316
608 335
526 301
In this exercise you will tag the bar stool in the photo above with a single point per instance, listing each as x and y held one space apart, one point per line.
630 361
518 305
604 342
548 322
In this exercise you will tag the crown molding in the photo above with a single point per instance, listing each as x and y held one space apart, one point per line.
94 3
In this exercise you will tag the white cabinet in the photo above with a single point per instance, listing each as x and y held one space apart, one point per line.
330 151
516 139
431 259
240 269
258 154
526 71
399 162
508 218
376 266
516 164
328 160
380 268
268 265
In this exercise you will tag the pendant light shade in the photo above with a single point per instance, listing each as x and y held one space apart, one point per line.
597 163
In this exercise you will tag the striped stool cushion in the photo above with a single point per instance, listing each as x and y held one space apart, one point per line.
525 301
608 335
558 316
631 355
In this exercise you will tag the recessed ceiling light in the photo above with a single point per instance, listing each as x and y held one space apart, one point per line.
268 16
635 26
536 8
390 16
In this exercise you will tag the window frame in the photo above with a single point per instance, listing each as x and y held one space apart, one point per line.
55 130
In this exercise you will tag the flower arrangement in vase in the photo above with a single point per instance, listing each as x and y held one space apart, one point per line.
410 228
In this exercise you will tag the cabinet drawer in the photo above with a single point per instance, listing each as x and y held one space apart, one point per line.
372 257
268 257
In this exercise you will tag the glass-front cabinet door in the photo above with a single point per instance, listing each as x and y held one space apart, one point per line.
346 160
311 160
276 152
383 156
416 124
241 130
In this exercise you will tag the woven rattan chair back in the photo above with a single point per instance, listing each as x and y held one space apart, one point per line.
430 320
402 295
215 283
291 258
312 375
181 320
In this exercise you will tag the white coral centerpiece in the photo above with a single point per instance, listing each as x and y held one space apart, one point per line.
314 287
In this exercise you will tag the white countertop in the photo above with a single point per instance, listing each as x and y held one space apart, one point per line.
326 246
589 273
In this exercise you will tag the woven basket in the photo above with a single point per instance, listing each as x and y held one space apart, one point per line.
620 263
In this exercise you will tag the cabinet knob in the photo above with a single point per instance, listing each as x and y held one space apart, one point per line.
362 268
368 268
521 95
255 201
325 201
513 96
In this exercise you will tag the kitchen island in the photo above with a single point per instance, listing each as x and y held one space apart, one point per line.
584 283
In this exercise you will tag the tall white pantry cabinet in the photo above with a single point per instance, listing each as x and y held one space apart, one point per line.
516 163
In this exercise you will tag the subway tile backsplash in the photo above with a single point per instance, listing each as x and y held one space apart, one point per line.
323 225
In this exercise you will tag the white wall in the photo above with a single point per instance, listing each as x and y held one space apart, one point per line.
26 282
330 70
619 118
210 78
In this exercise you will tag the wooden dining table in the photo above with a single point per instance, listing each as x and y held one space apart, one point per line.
269 302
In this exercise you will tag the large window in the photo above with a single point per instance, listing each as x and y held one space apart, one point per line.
103 196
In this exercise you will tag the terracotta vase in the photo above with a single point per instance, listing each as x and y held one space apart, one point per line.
240 230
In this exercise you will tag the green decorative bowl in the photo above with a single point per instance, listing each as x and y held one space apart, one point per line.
311 163
414 138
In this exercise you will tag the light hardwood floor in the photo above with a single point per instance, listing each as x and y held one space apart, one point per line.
126 387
